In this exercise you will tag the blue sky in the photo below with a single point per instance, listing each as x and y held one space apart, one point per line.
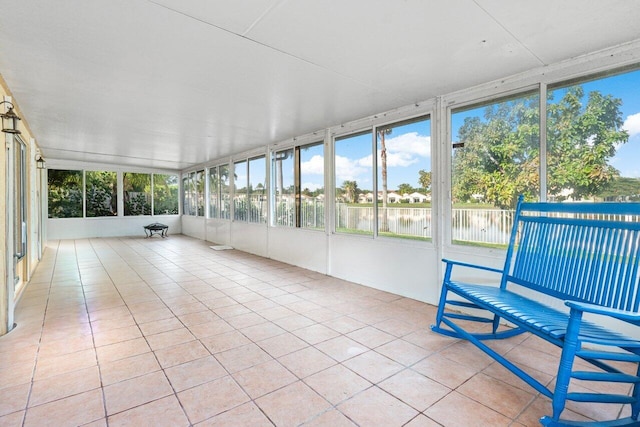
626 87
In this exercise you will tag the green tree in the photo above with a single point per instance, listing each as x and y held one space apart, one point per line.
499 155
405 189
165 194
621 189
101 193
64 193
424 179
137 193
581 139
350 189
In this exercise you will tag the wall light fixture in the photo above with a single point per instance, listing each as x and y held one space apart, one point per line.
9 120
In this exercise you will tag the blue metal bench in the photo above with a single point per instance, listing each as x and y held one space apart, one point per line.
588 256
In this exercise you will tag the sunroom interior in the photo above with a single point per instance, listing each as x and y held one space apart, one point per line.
306 158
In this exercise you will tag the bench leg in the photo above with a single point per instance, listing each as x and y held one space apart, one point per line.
441 305
566 363
635 407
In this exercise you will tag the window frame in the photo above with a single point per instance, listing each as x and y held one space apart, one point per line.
339 137
86 198
471 104
149 195
80 189
399 120
153 194
262 213
296 195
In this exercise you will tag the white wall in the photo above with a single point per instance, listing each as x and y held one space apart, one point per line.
304 248
250 238
84 228
193 226
406 268
218 231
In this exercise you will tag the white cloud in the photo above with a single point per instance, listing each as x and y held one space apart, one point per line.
407 149
352 170
365 162
632 124
314 166
400 159
410 144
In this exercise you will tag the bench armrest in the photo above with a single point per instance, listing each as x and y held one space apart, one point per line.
627 316
466 264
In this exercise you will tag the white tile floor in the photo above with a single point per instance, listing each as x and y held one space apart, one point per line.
167 332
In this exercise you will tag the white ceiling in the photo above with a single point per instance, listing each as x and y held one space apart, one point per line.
174 83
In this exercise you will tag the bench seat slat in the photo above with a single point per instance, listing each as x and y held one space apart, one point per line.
534 314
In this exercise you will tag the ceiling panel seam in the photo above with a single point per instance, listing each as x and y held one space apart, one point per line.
510 33
283 52
262 16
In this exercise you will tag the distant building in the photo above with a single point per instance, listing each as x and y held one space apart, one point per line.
416 197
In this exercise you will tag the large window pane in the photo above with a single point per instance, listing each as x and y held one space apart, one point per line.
593 140
495 158
199 192
312 186
65 193
190 203
214 193
101 193
404 179
185 194
240 180
137 193
282 170
257 190
354 186
165 194
225 195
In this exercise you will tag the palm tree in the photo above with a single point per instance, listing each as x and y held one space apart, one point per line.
382 132
350 189
424 179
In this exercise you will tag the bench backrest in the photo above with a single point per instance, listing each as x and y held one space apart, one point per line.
587 252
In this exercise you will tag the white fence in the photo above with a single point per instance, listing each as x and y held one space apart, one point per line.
483 226
488 226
